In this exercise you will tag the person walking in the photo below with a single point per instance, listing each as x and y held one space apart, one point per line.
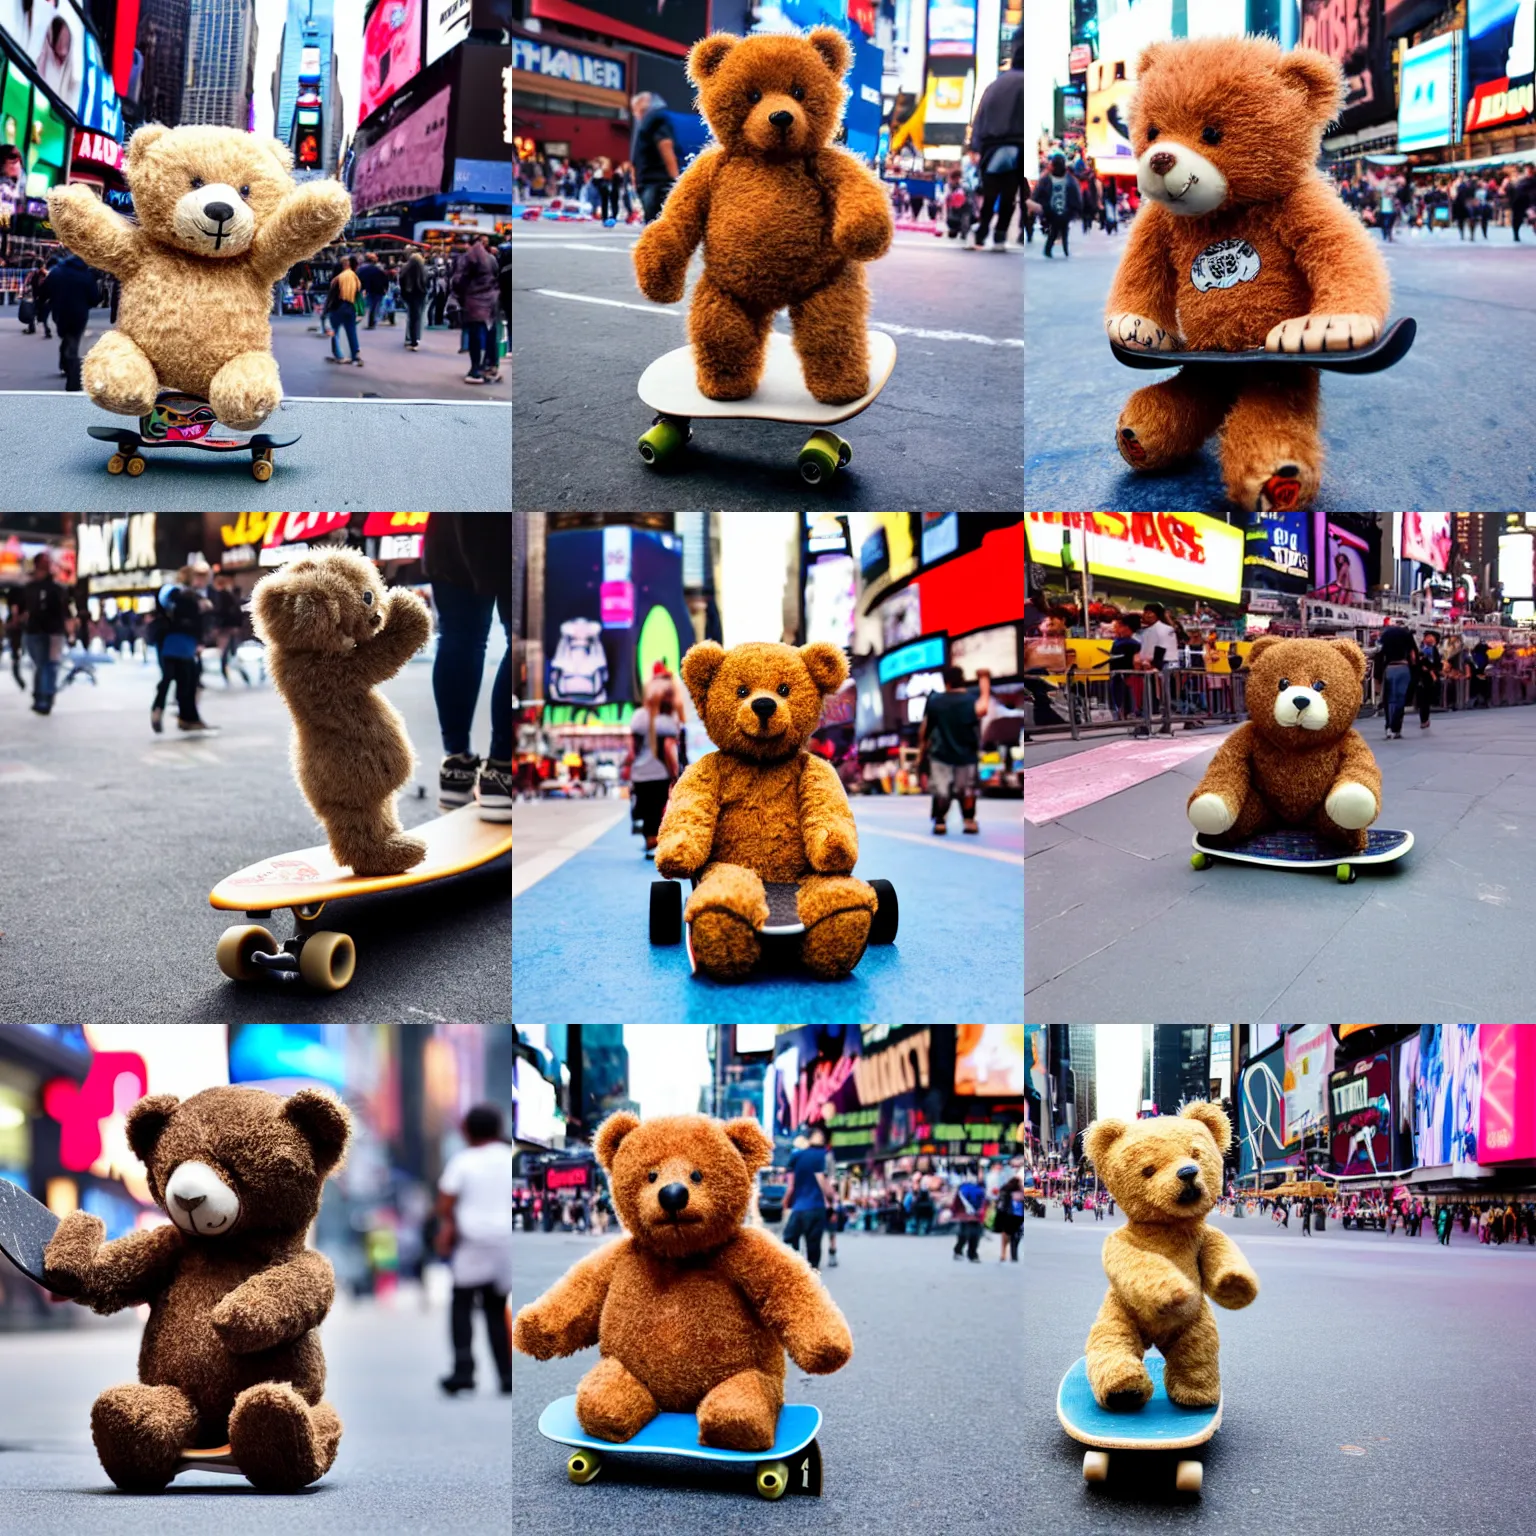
1008 1223
950 734
1396 654
997 140
807 1196
375 283
178 635
45 604
1060 201
653 730
477 289
1429 669
967 1205
33 288
607 191
438 301
474 1209
227 623
1443 1226
414 286
1461 207
1522 193
341 310
70 289
1306 1217
653 152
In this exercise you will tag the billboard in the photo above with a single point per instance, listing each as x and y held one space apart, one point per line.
995 650
989 1060
1427 538
1261 1113
391 52
447 24
407 162
1350 33
1180 551
1340 560
1360 1117
1447 1090
1278 545
1506 1122
676 21
484 129
51 37
1308 1060
1501 59
951 28
1515 565
1429 93
1111 84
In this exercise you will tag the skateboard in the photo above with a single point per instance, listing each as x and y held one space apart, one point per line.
184 421
26 1225
1388 348
307 881
677 1434
1305 850
1158 1425
670 387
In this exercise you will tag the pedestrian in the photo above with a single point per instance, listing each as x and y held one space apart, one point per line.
950 735
836 1217
653 768
1089 187
375 284
1066 1208
1395 662
41 299
1455 671
474 1208
475 285
1461 207
966 1208
341 310
1008 1222
70 289
1443 1226
414 284
45 605
227 621
1306 1217
181 612
1522 193
997 139
957 207
807 1196
653 152
1428 676
34 304
1480 684
1058 197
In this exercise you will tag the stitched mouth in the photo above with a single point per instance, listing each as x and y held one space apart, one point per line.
216 234
222 1222
681 1219
1178 197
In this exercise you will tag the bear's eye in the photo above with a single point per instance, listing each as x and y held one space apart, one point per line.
368 599
1211 134
197 181
783 690
1149 1170
696 1176
797 93
245 191
650 1178
754 97
1319 685
1152 133
743 691
1285 683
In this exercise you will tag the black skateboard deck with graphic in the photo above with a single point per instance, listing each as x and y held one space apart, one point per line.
26 1226
1388 348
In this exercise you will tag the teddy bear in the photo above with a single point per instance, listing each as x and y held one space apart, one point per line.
1165 1173
762 808
786 218
691 1309
1240 244
220 220
230 1353
333 632
1297 761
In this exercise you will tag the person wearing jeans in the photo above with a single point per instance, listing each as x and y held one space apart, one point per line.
1396 655
46 605
806 1198
345 316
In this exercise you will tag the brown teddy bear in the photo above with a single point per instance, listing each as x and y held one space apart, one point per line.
220 220
1297 761
786 218
333 633
1240 243
1166 1175
230 1353
764 809
691 1310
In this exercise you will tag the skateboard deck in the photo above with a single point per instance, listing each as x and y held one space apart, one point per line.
184 421
1158 1425
26 1225
669 386
306 881
1388 348
677 1434
1305 850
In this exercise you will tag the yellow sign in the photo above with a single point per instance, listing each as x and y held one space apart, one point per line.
1111 84
248 528
1180 551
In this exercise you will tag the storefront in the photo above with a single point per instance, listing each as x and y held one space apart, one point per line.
97 160
129 557
570 99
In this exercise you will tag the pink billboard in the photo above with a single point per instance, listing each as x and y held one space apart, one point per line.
407 162
391 51
1506 1121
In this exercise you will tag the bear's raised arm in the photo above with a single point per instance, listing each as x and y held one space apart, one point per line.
93 231
662 251
826 823
688 828
106 1277
277 1305
566 1317
307 219
1217 800
790 1300
406 628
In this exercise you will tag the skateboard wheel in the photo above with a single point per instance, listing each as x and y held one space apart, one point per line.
261 468
820 457
1096 1466
237 945
772 1479
115 464
1199 860
1345 874
1189 1476
583 1466
666 912
844 452
135 465
662 442
882 929
327 961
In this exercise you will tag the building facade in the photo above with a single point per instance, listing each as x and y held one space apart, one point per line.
305 107
221 63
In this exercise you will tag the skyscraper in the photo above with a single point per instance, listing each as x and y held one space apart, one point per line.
306 68
162 49
221 63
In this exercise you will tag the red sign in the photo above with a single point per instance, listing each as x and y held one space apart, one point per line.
1079 59
1506 1124
116 1080
379 523
1493 102
98 149
295 527
566 1178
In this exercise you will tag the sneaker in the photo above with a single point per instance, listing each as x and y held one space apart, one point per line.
474 378
456 779
331 357
1423 725
940 829
197 727
357 362
971 827
493 789
453 1385
156 721
831 1261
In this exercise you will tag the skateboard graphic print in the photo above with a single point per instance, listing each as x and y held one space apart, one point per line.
180 420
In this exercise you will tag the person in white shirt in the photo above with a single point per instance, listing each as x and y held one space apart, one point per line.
1157 632
474 1208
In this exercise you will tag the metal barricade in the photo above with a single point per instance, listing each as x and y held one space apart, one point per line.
1090 700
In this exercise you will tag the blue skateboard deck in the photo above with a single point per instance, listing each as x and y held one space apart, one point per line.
677 1434
1304 850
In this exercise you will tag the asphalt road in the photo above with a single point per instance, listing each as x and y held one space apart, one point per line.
944 432
1447 427
1118 926
1377 1384
117 835
920 1430
411 1460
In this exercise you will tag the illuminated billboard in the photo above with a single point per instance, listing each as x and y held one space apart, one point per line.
951 28
1501 58
1111 84
1429 93
1515 565
1308 1059
1506 1125
391 52
1360 1117
1180 551
989 1060
1447 1089
1427 539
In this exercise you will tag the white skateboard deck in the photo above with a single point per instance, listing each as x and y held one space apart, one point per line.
670 385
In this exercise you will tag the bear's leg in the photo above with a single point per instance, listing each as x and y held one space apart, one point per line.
1192 1374
246 390
612 1404
837 911
278 1441
371 842
742 1412
728 341
1271 448
724 914
1115 1350
119 377
832 337
1166 422
140 1433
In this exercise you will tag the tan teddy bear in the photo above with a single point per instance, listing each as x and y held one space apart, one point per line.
762 808
1165 1173
1296 761
333 633
691 1309
220 220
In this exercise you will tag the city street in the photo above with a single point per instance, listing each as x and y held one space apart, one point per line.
920 1430
944 432
1376 1383
411 1459
582 950
1407 438
117 836
1119 926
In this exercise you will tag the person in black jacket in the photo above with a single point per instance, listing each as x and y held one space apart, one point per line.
1396 663
1060 201
997 139
413 290
375 283
1522 193
70 289
46 606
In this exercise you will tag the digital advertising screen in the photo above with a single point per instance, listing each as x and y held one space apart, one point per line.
1506 1123
1107 123
1341 561
407 162
1360 1117
484 128
869 706
1261 1113
1308 1060
1351 34
1278 544
1427 539
51 36
1429 93
829 600
994 650
940 535
391 52
989 1060
1516 565
1447 1094
951 28
1180 551
1501 59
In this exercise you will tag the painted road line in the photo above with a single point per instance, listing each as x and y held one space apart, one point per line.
950 844
528 874
1054 790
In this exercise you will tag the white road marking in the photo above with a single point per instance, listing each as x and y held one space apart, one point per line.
950 844
528 874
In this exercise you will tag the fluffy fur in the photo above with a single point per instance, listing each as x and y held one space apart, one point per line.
230 1352
786 219
1281 769
1300 275
691 1310
1165 1261
197 286
762 808
333 633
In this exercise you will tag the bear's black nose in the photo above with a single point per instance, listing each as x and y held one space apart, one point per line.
673 1198
763 709
220 212
781 119
192 1204
1301 701
1162 162
1189 1172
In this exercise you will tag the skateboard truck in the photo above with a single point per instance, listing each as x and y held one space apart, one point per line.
323 959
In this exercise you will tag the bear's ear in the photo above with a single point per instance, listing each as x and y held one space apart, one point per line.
612 1131
833 47
296 617
708 54
699 667
1353 655
751 1140
1262 644
1149 57
1102 1135
142 141
1318 79
826 664
1214 1119
279 152
148 1118
320 1119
